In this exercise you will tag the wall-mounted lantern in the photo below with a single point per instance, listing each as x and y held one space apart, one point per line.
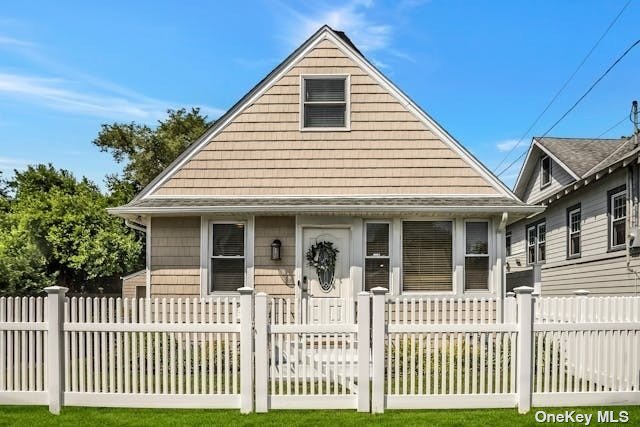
275 250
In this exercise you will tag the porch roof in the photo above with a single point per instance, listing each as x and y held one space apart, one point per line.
168 205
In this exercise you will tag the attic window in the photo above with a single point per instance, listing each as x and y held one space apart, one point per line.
545 171
324 102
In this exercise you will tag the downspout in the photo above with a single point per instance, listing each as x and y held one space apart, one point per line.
135 226
502 229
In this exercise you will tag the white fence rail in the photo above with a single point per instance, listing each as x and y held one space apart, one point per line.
379 353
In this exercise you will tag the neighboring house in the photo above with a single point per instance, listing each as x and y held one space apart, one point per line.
325 149
584 238
134 285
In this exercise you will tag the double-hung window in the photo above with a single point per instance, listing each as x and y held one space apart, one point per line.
574 229
376 262
427 256
617 218
227 267
545 171
325 102
536 242
476 261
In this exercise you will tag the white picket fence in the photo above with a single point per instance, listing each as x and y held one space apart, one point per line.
259 353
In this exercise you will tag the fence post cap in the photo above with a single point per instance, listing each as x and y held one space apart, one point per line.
245 290
523 290
511 294
363 294
261 294
55 290
581 292
379 290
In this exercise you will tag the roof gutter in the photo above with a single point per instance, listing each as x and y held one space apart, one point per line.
325 208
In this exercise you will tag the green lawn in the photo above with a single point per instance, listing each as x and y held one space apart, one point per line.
33 416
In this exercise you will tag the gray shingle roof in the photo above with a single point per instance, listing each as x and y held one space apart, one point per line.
581 155
327 202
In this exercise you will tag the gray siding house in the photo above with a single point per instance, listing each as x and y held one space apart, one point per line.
585 238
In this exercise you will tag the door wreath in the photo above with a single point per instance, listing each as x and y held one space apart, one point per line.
322 256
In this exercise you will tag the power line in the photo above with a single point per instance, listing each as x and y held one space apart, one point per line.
562 88
613 127
595 83
593 86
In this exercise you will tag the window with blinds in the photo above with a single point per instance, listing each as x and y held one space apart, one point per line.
227 266
325 102
427 256
376 262
476 262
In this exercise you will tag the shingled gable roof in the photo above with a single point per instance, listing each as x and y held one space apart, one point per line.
344 44
579 157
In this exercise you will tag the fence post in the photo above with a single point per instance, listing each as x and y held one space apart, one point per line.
246 350
261 353
364 345
55 346
377 350
525 348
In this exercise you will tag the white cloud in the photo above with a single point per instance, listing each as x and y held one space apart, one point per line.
507 145
352 18
63 88
8 164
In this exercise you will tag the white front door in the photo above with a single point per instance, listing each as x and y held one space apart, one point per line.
332 303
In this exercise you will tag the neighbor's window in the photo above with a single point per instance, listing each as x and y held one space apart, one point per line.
536 243
324 102
476 260
227 257
545 171
376 262
427 248
574 227
618 218
508 243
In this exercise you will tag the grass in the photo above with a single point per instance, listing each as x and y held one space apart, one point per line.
39 416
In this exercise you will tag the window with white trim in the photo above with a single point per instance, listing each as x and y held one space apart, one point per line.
574 228
227 264
376 259
476 259
324 102
545 171
427 256
618 219
536 243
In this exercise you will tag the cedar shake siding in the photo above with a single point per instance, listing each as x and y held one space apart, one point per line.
131 282
275 277
387 150
175 257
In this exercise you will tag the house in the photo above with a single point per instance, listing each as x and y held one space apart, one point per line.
325 180
585 238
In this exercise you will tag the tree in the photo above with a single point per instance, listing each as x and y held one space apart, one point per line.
57 229
147 151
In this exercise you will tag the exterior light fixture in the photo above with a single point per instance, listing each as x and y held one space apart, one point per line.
275 250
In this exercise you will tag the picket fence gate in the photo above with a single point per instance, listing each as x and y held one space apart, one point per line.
259 353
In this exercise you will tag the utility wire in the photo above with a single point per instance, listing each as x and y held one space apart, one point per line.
562 88
613 127
598 80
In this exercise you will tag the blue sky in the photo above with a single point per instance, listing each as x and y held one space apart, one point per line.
483 70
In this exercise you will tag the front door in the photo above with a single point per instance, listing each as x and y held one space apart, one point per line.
329 296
